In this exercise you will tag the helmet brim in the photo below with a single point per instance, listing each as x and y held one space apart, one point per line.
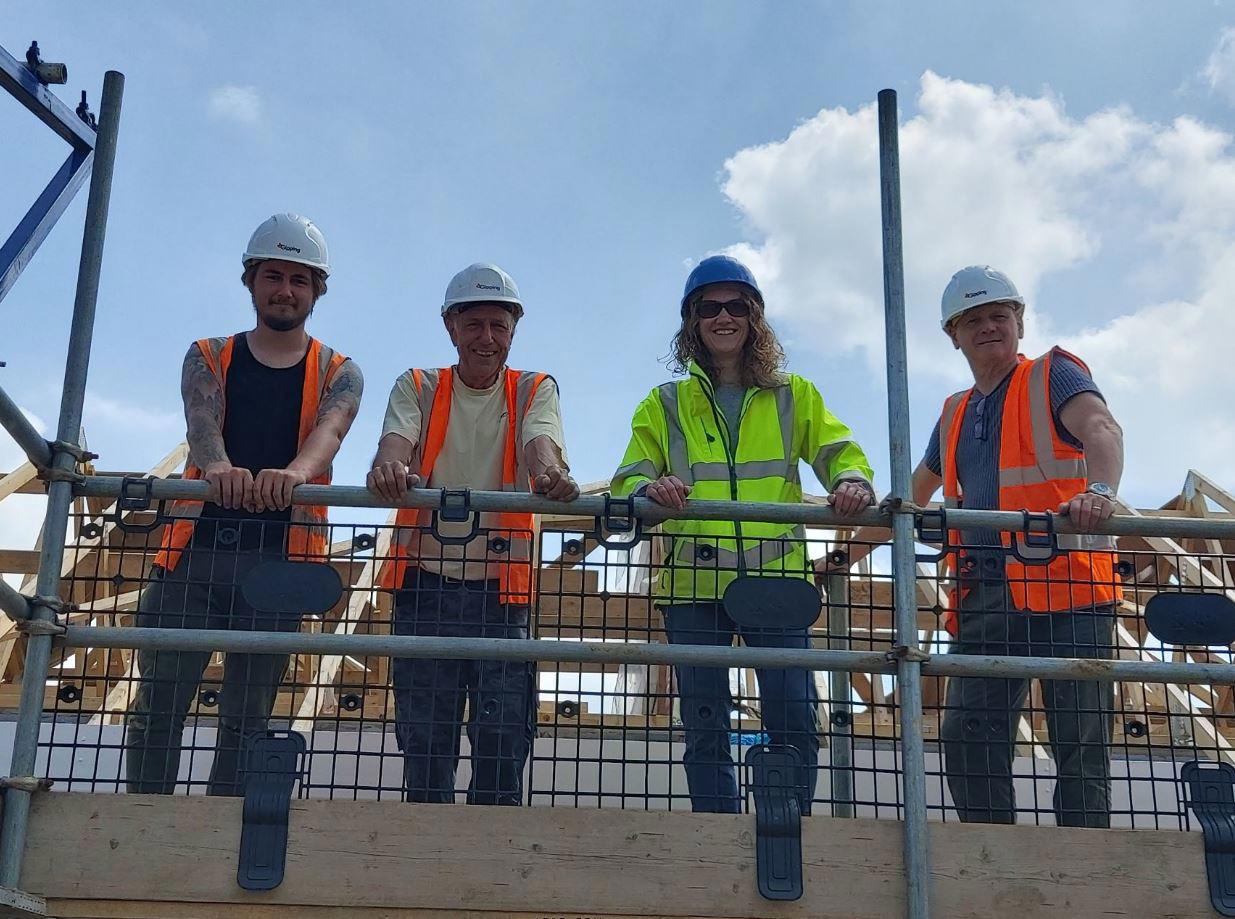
464 301
249 258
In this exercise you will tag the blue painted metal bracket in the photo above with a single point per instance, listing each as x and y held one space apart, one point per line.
19 81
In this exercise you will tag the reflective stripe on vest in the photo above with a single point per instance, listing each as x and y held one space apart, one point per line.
1038 471
308 535
434 389
704 556
688 551
679 453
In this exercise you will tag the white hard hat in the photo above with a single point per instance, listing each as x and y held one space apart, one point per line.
976 286
291 238
483 283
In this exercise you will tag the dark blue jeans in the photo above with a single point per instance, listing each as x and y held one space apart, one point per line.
430 694
788 706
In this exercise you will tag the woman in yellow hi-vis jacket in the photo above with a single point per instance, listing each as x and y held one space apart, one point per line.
735 428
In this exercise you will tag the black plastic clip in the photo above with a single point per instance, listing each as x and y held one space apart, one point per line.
137 494
1211 795
1035 542
932 526
274 768
455 507
619 518
778 820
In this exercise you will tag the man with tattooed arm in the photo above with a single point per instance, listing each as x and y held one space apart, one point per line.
267 410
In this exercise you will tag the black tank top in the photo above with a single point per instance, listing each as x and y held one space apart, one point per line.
261 430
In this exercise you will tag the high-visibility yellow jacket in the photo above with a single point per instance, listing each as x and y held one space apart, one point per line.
679 430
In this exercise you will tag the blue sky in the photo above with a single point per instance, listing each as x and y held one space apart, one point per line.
597 150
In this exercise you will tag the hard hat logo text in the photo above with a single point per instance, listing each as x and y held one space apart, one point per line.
287 248
480 286
976 293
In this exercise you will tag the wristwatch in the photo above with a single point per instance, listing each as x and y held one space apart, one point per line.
1102 490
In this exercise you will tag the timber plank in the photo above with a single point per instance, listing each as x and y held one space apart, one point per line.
561 861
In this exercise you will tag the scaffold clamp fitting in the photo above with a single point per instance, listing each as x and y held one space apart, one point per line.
274 768
40 627
78 452
1211 795
28 783
52 474
904 652
775 785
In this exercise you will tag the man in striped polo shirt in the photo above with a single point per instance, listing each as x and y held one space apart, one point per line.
1030 435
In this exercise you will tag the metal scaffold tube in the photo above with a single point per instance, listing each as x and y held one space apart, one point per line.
60 491
840 699
649 512
909 670
13 604
21 430
546 649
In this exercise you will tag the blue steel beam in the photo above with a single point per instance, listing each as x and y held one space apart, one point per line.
29 234
21 83
17 79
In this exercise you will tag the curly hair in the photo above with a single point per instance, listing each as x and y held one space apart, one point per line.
762 356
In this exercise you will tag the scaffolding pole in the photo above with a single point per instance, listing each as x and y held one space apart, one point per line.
12 419
815 516
60 490
909 668
420 647
13 604
840 699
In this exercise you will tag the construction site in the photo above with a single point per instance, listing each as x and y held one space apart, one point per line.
605 826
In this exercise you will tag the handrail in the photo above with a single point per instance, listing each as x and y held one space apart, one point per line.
544 649
815 515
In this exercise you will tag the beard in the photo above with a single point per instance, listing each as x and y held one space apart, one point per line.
279 323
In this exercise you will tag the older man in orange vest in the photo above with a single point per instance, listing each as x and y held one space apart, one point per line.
477 425
267 410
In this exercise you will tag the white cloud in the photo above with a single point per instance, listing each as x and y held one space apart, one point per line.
131 417
242 104
1219 69
1129 224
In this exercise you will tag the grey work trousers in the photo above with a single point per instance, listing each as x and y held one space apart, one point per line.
201 592
979 726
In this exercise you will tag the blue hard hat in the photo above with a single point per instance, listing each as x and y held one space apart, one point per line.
719 269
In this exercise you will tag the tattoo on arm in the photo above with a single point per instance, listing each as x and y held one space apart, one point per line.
203 410
343 395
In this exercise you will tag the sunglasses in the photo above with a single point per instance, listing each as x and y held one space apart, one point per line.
710 309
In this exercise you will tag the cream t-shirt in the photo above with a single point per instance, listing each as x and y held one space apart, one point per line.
471 457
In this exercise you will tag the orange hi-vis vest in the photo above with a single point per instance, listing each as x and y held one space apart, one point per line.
308 534
512 550
1038 471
